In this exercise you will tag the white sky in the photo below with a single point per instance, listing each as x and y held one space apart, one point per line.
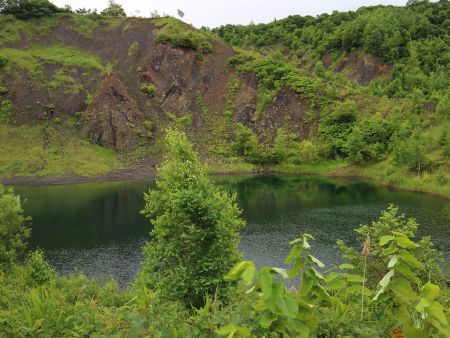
213 13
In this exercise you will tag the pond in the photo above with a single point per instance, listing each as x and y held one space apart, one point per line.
96 227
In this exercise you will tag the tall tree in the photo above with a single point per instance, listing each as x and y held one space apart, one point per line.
195 238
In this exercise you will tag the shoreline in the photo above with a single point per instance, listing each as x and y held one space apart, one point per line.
147 173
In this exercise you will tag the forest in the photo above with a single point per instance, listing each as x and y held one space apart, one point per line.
87 95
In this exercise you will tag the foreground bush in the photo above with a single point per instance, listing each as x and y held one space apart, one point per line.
195 238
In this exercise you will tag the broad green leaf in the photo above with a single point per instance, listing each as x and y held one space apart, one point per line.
406 271
298 326
336 284
386 239
355 278
403 289
230 330
295 252
346 266
430 291
409 258
237 271
405 243
287 305
393 261
305 243
315 260
249 274
358 289
282 272
384 282
379 292
298 265
267 319
331 276
318 274
266 283
422 305
436 310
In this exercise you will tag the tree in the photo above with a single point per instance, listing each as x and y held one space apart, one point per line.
180 13
114 9
409 151
195 238
24 9
13 229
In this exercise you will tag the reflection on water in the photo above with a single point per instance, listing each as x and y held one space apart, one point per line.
97 228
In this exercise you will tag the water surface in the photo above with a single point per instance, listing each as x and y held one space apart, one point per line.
96 227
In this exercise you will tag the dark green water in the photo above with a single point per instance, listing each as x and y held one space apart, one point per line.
97 228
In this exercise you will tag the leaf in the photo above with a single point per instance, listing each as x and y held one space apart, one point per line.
346 266
331 276
379 292
230 330
436 311
384 282
430 291
422 305
406 271
393 261
355 278
282 272
386 239
287 305
336 284
295 251
237 271
412 332
403 289
267 319
298 265
405 243
266 283
409 258
315 260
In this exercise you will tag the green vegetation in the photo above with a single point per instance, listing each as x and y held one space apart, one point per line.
395 284
25 9
52 149
113 9
134 49
32 59
180 35
148 89
195 229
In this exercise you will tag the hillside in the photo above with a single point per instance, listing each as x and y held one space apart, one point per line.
356 93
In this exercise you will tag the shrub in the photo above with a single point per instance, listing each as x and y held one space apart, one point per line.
114 9
148 89
3 90
180 36
134 49
194 240
38 271
13 229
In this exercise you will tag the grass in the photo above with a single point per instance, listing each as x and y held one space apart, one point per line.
437 182
12 29
32 59
52 150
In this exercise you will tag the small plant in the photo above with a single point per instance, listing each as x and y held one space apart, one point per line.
89 99
134 49
38 272
3 90
148 89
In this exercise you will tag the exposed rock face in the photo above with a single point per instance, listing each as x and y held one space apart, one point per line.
360 68
113 119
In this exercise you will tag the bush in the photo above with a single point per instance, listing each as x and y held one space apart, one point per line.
25 9
180 36
148 89
38 271
195 235
114 9
13 229
134 49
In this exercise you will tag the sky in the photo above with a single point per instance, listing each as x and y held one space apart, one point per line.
213 13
